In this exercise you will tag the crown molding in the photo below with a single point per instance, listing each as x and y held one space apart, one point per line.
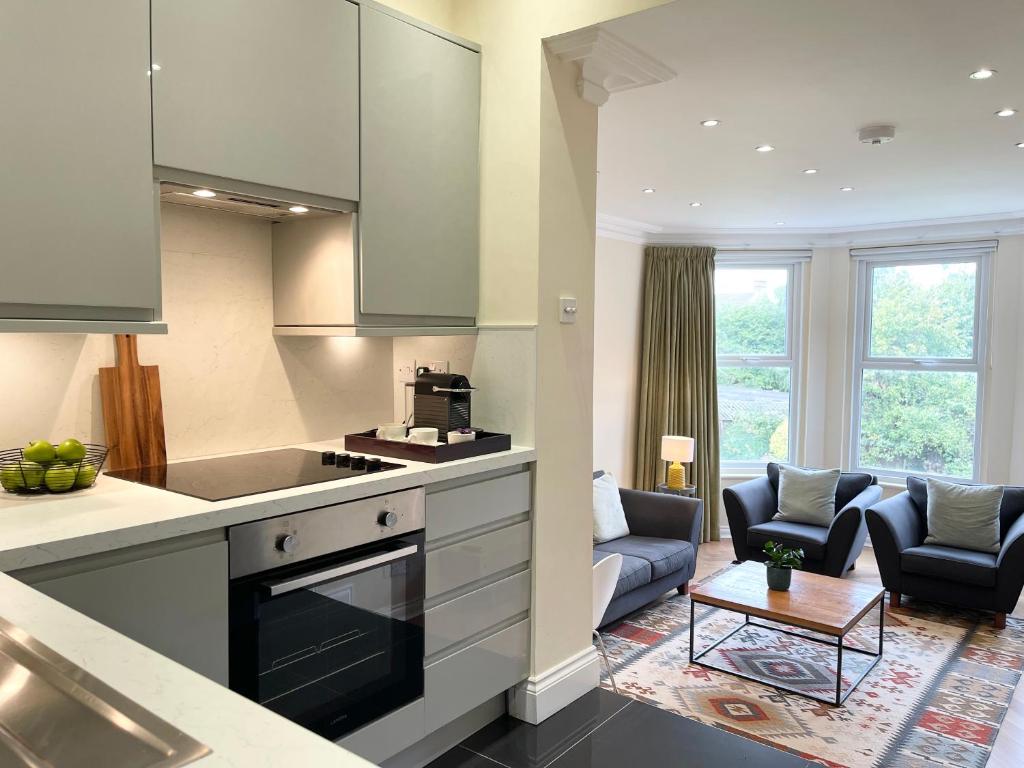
955 228
608 63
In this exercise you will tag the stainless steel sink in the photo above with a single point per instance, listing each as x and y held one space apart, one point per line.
53 714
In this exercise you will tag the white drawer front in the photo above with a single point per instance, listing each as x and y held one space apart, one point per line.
465 562
459 619
470 506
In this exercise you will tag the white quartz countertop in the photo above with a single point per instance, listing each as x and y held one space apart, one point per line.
240 733
115 514
35 530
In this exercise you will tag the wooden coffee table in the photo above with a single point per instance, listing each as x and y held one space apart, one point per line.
821 604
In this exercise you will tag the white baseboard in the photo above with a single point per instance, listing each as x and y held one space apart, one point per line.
539 697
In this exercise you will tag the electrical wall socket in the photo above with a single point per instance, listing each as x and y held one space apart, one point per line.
435 366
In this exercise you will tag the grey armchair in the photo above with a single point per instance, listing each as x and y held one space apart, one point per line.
831 551
961 577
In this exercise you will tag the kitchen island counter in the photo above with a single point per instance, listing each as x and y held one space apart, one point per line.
113 514
240 733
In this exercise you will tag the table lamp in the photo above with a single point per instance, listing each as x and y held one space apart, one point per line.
676 449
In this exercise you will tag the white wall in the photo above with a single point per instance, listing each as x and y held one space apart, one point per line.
618 324
827 348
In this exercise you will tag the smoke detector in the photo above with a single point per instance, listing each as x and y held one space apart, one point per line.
877 134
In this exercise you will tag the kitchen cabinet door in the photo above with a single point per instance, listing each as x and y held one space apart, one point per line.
174 601
419 204
262 91
76 193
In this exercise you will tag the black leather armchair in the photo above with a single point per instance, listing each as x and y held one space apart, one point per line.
961 577
831 551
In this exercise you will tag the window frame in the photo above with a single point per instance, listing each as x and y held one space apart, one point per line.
791 359
868 260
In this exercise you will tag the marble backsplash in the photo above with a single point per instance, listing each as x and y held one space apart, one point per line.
228 384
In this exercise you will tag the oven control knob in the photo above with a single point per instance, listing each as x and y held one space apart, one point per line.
388 519
286 544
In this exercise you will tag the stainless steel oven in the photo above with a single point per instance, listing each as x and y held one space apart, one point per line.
327 611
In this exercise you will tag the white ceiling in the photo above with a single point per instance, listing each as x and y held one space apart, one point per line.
804 76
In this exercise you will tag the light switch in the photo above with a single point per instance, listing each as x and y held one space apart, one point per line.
567 305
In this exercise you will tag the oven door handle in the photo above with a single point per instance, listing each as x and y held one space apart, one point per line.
285 586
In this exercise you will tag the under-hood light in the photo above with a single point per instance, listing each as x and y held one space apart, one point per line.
204 193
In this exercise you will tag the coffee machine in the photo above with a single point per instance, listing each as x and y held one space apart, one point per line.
442 400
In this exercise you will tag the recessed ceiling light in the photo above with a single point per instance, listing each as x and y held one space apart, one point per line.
846 189
982 74
649 191
809 171
710 123
299 209
204 193
1006 112
1020 145
156 67
696 204
780 223
764 148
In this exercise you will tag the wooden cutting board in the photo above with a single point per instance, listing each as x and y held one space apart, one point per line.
133 412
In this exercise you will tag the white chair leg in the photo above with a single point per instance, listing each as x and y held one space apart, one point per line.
604 655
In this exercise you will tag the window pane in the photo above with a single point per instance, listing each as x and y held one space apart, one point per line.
919 421
753 413
923 310
750 311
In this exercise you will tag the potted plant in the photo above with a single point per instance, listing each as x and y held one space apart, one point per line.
781 562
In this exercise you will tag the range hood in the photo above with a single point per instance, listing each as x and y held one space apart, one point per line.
316 261
236 202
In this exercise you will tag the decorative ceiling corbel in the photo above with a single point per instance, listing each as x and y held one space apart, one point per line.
608 64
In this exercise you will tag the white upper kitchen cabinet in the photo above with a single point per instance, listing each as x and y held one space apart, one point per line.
420 205
259 91
77 212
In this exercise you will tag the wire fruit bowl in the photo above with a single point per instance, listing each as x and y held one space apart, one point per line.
18 475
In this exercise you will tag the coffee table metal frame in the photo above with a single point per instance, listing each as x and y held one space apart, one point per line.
839 645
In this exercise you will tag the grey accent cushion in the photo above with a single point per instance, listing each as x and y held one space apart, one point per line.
850 483
960 565
807 495
665 555
635 573
810 538
963 516
1011 508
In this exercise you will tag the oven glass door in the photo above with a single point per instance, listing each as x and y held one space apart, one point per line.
333 645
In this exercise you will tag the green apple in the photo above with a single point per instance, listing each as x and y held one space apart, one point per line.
11 479
60 477
39 450
21 475
71 450
86 475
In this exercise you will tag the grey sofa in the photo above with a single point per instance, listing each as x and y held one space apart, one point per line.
660 553
960 577
831 551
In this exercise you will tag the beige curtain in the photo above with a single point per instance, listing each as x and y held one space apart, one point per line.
678 390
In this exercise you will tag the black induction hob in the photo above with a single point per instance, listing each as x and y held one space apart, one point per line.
229 477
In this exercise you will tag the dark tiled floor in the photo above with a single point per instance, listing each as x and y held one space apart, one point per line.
604 730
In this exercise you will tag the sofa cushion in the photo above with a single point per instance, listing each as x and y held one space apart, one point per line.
664 555
963 516
810 538
609 516
635 573
951 564
1010 509
807 495
850 484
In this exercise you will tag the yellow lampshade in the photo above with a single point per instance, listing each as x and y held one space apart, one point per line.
677 448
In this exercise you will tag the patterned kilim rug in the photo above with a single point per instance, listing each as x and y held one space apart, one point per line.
937 696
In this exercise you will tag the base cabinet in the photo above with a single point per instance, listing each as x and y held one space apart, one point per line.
175 602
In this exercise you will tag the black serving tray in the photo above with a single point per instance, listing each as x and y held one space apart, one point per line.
486 442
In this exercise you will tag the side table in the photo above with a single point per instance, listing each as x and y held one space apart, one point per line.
688 490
